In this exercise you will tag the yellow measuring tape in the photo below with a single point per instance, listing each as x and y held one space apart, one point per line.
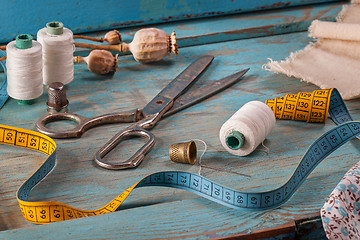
46 212
305 106
311 107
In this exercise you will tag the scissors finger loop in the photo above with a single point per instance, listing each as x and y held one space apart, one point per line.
133 161
74 132
84 123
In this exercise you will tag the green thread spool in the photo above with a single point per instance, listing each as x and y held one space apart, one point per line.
57 48
235 140
25 102
247 128
24 41
55 28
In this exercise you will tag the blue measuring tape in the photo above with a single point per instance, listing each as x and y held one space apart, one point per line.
319 150
46 212
3 92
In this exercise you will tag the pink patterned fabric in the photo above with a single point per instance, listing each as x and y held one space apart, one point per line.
341 212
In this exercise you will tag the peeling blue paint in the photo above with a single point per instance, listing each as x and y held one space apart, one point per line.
86 16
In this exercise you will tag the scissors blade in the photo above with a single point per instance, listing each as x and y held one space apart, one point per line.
195 96
177 86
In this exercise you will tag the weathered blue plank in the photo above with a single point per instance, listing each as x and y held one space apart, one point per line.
239 26
168 213
21 16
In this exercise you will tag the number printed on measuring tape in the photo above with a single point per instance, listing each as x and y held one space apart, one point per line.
47 212
311 107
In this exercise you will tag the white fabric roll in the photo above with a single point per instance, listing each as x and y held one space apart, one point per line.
333 60
335 30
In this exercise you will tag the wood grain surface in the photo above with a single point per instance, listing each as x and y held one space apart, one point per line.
165 213
84 16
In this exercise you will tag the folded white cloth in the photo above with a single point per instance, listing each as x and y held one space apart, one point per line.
333 61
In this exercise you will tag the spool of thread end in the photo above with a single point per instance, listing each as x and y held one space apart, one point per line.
247 128
55 28
23 41
235 140
57 53
25 102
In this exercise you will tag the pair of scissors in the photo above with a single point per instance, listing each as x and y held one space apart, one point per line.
167 102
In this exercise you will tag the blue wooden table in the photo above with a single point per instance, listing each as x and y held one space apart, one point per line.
237 41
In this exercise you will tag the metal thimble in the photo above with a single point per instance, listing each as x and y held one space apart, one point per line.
57 101
184 152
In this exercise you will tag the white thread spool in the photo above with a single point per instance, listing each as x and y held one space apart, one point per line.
247 128
24 69
58 48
